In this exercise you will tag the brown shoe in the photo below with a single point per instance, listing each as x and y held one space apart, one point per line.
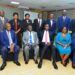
73 66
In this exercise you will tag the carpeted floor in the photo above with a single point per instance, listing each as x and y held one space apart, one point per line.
31 68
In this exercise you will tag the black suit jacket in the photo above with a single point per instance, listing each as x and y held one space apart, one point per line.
25 24
12 22
72 25
36 25
41 33
52 28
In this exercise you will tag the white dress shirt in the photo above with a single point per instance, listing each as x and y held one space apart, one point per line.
2 18
40 22
46 38
9 37
64 17
51 21
31 36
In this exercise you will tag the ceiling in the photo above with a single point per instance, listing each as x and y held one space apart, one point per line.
43 4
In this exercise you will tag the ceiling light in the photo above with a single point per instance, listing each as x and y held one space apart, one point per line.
13 2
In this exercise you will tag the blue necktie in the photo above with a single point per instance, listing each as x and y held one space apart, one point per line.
30 38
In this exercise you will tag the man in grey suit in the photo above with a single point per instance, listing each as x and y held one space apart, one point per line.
30 40
3 21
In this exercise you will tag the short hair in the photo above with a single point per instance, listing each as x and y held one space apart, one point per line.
15 13
29 25
27 14
63 28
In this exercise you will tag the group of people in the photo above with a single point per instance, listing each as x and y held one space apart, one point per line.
40 35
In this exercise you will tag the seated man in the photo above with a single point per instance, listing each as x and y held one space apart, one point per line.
73 50
9 45
30 40
46 43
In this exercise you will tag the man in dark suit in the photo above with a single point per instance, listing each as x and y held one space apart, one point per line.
9 45
46 43
63 20
38 23
72 29
52 25
26 22
16 26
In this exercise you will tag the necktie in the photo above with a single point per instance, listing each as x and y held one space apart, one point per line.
16 25
39 23
46 38
30 38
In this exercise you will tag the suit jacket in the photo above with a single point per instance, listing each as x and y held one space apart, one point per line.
25 24
72 25
41 33
36 26
26 37
12 22
2 26
52 28
5 40
61 23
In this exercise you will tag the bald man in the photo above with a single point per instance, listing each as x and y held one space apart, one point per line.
63 20
9 45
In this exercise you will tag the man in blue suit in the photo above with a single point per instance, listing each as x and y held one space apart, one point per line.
9 45
52 25
3 21
63 20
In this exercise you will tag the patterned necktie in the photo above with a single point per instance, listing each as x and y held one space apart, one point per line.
30 38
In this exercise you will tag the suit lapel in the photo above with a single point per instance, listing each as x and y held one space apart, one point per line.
6 35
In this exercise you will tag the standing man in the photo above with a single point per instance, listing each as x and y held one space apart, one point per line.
37 25
30 40
16 26
63 20
3 20
52 25
9 45
26 22
47 44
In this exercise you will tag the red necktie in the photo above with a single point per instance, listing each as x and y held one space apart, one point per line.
16 25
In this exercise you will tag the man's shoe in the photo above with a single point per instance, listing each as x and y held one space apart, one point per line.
36 62
26 62
73 66
17 63
3 66
40 65
54 65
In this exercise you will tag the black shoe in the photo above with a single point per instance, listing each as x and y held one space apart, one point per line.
3 66
17 63
26 62
36 62
40 65
54 65
65 64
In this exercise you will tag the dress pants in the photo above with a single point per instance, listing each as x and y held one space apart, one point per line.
5 52
51 48
29 47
